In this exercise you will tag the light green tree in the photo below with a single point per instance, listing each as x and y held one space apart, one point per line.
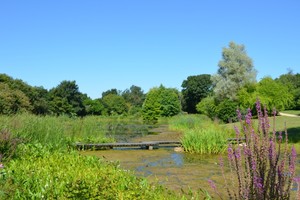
161 101
274 94
235 70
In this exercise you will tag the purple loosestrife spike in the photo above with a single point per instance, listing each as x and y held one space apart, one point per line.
212 184
230 152
248 117
293 161
239 114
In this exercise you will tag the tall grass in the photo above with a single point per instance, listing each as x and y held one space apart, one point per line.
200 134
57 132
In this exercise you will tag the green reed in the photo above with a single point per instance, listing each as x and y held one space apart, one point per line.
200 134
58 132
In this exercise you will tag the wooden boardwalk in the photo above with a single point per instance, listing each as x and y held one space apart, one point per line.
143 145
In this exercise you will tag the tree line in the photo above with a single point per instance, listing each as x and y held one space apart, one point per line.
218 96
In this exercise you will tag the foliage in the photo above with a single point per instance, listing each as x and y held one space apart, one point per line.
292 81
66 99
195 88
235 70
207 107
93 106
13 101
114 105
61 175
226 111
134 96
161 101
274 95
261 167
8 145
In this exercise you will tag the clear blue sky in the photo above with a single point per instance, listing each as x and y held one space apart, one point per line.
105 44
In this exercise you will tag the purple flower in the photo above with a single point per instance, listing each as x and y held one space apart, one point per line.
212 184
293 160
248 117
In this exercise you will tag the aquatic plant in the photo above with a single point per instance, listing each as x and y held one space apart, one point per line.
209 140
261 165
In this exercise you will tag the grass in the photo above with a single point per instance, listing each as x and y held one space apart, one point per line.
293 112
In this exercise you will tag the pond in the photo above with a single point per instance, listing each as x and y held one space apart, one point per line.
176 170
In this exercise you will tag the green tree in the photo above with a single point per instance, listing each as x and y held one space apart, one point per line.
292 81
13 101
195 88
93 106
208 107
135 96
111 91
274 94
235 70
66 99
161 101
114 105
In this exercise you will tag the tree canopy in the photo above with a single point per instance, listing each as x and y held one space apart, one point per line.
161 101
195 88
235 70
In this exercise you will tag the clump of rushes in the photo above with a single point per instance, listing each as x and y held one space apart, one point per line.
209 140
262 167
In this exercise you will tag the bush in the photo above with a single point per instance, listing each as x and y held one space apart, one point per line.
226 111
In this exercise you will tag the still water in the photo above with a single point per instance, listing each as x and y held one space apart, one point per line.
176 170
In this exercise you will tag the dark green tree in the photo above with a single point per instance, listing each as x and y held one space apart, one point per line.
135 96
195 88
111 91
67 99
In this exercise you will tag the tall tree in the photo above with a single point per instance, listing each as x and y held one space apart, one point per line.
66 99
135 96
235 70
195 88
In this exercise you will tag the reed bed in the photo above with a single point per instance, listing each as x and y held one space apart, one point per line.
200 134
